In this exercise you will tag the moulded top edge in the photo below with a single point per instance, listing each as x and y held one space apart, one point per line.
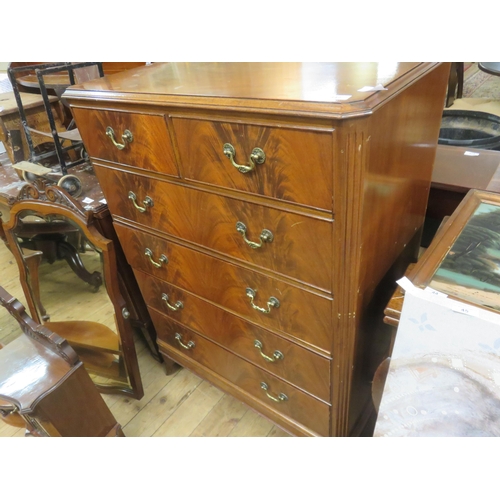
320 89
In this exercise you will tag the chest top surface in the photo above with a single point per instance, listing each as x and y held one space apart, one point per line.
334 89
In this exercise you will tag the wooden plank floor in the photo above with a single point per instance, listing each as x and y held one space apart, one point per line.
180 404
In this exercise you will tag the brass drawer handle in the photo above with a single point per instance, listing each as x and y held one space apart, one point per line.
178 305
148 202
189 345
277 355
126 137
272 302
257 157
163 259
265 235
281 397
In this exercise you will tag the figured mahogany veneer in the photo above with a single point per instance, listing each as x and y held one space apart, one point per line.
299 406
343 190
150 147
301 314
210 220
298 162
300 367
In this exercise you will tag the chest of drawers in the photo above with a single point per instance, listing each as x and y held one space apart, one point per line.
266 210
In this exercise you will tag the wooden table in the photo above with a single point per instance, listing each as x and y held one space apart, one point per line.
456 170
11 129
11 184
57 82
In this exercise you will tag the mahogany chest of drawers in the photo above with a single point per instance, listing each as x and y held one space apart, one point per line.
264 208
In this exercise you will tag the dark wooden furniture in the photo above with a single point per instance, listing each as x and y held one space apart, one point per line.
265 209
456 171
44 387
54 241
455 83
11 128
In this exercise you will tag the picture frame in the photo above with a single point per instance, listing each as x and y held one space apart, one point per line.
463 260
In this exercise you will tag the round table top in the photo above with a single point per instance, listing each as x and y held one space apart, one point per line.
493 68
57 81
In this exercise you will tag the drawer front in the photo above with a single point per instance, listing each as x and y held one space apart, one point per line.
298 247
150 149
298 165
300 313
298 366
290 401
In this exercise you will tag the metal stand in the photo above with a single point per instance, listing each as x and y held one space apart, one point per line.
41 71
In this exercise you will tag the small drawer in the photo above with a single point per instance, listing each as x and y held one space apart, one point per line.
298 164
275 305
296 246
150 147
298 366
270 391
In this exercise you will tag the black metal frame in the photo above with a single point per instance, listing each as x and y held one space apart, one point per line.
41 70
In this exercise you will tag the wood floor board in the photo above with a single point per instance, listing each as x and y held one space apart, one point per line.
224 416
8 430
164 403
277 432
252 425
126 408
194 409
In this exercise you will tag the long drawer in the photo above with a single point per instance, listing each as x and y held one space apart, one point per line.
150 147
276 305
296 246
271 391
297 163
298 366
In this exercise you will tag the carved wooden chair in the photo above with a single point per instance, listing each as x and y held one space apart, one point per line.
44 386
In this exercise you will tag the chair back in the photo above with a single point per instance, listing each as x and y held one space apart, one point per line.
44 387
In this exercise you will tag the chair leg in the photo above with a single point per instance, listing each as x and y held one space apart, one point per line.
452 85
460 78
33 262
